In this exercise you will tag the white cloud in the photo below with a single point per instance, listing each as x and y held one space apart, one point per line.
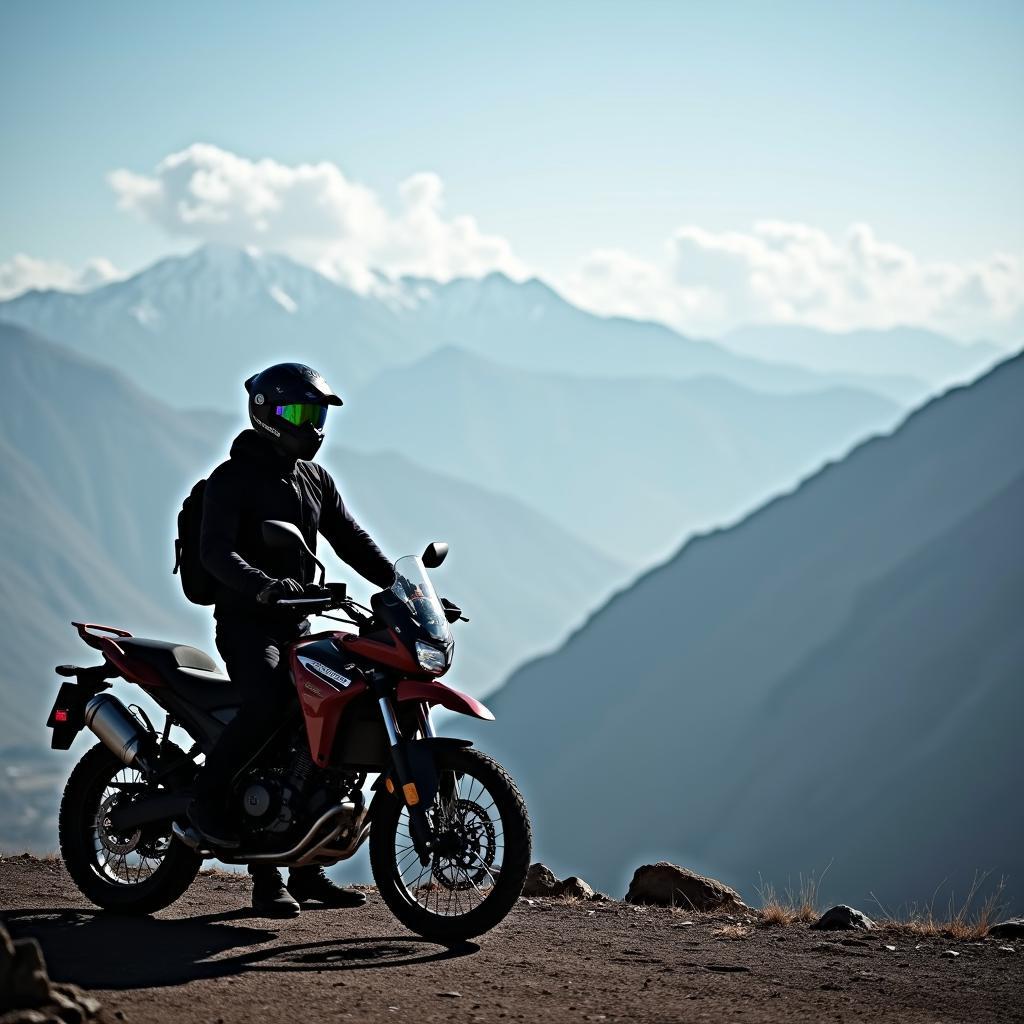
314 213
705 282
21 273
782 272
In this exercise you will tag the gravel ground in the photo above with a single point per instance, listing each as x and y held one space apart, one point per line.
208 959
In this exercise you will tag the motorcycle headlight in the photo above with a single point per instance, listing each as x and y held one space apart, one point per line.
430 658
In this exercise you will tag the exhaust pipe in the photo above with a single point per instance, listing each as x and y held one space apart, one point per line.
112 722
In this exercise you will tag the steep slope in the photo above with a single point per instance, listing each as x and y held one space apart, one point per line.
51 566
190 328
837 680
896 351
929 664
632 466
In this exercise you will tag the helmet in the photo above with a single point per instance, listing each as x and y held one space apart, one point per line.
288 406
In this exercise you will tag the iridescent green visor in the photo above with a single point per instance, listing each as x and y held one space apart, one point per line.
304 412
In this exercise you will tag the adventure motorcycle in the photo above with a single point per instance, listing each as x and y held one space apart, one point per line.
448 829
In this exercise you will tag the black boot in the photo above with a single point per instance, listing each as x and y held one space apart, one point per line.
269 896
210 819
309 884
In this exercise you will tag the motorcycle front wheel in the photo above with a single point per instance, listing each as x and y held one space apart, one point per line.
481 853
135 873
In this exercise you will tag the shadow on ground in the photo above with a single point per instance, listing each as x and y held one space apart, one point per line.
108 951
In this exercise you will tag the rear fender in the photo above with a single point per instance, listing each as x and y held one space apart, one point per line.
67 716
432 691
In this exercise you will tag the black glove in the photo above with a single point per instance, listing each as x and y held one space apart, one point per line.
276 589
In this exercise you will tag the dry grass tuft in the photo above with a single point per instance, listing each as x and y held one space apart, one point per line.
967 922
733 931
799 907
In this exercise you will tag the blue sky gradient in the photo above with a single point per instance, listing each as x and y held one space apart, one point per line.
563 127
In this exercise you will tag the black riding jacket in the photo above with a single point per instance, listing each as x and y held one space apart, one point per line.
257 484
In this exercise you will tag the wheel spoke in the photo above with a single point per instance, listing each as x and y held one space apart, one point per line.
469 834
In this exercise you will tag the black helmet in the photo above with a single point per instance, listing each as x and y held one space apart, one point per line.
288 406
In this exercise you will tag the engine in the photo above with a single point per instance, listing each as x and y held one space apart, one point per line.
270 797
274 799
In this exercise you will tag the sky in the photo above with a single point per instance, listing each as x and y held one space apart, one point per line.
706 164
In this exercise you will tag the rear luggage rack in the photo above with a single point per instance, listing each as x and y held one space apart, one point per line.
106 644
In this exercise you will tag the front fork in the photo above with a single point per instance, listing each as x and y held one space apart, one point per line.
416 774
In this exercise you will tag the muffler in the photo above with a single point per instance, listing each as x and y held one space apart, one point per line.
113 723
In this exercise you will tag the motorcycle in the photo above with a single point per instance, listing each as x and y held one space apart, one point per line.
449 835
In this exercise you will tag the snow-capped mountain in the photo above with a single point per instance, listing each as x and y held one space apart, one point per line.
191 328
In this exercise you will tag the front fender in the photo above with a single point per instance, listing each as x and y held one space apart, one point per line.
434 692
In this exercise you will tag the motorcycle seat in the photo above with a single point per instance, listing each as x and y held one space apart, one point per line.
188 671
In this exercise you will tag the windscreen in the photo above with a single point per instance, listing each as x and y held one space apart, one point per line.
412 586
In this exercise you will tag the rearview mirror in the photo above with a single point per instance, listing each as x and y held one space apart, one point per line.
278 534
282 535
435 554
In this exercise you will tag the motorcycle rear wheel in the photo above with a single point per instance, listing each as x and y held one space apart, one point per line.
485 843
136 874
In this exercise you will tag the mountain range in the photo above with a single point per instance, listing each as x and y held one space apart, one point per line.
560 453
893 352
833 683
192 327
625 434
632 466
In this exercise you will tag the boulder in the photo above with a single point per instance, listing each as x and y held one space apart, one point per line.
541 881
576 889
843 918
668 885
1011 928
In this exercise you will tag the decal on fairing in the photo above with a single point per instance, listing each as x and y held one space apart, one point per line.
324 671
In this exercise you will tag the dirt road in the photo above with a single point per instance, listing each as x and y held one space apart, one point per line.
207 959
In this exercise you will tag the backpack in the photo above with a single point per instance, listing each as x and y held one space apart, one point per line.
199 586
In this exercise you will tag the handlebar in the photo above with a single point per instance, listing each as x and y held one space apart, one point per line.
332 596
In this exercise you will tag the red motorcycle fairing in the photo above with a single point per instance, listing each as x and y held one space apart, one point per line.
324 689
433 691
394 654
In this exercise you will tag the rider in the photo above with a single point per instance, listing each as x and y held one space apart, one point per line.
271 475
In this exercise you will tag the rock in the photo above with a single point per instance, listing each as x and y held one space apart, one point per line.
576 889
668 885
541 881
843 918
27 983
1011 928
27 993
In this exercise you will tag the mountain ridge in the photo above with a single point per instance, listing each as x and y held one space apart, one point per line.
720 624
202 300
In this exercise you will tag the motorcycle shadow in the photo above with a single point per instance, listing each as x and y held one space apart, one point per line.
98 950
